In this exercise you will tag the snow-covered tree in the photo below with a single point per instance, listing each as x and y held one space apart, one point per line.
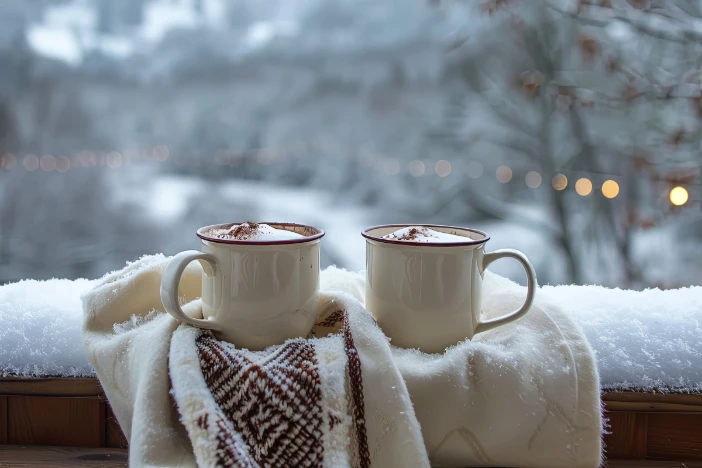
603 96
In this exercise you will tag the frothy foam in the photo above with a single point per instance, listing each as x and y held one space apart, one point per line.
253 232
423 234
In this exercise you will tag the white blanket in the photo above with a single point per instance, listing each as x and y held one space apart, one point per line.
526 394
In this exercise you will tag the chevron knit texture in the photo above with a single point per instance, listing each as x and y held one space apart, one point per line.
299 404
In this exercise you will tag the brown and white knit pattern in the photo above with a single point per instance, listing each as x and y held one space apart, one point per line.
299 404
273 398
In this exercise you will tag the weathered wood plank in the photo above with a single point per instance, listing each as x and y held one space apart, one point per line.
653 402
76 422
627 438
47 422
676 436
653 464
90 386
61 457
66 386
3 420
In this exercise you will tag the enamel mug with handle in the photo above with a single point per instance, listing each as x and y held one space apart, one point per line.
255 293
428 295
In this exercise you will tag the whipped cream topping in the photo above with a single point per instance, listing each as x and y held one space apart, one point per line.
250 231
423 234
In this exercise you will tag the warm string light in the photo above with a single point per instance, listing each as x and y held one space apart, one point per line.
442 168
610 189
532 179
416 168
503 174
113 160
160 152
47 163
30 163
63 164
583 187
679 196
559 182
8 161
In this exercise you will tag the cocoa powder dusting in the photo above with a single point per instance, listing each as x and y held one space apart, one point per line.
241 232
412 234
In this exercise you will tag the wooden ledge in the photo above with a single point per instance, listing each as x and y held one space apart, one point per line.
61 457
90 386
55 457
53 386
653 464
73 412
653 402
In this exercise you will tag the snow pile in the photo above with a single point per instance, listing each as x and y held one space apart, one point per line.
648 340
40 329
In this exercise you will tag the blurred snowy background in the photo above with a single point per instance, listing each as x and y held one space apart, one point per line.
570 130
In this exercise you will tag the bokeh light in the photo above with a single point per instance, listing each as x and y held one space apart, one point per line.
82 159
161 153
474 170
559 182
47 163
30 162
583 186
442 168
8 161
503 174
610 189
416 168
533 179
63 164
113 160
391 167
679 196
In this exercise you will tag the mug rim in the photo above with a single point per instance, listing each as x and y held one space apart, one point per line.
468 240
298 240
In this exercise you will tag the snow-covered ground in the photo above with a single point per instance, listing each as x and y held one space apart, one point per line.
646 340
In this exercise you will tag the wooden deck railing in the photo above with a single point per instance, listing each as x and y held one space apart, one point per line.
73 412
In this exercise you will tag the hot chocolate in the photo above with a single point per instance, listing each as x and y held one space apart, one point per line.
250 231
423 234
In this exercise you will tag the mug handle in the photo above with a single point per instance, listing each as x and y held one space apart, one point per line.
171 280
531 288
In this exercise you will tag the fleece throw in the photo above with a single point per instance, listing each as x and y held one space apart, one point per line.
523 395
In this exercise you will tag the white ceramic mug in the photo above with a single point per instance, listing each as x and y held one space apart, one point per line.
254 293
428 295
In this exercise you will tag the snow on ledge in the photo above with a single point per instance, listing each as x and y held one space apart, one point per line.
644 340
649 340
40 329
